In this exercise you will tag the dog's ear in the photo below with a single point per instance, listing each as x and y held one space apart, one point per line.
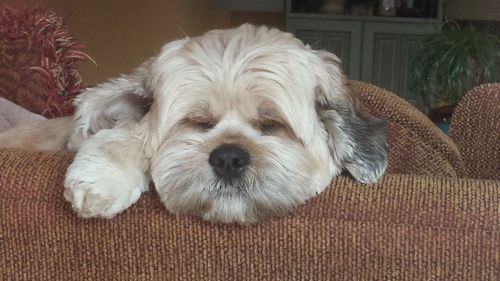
122 99
357 141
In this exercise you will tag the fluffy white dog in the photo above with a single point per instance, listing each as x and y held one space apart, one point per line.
233 126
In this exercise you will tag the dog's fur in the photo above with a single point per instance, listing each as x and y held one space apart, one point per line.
258 88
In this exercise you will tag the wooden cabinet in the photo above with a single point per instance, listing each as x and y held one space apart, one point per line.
373 49
248 5
342 38
388 50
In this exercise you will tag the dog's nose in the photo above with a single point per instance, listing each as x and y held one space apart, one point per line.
229 160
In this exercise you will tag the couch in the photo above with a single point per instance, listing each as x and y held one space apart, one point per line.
427 219
435 215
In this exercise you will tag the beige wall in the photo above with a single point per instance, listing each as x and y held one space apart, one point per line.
474 9
120 34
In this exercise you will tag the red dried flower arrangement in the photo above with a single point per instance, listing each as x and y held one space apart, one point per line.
38 57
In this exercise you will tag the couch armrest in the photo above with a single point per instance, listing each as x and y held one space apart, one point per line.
475 128
416 145
405 227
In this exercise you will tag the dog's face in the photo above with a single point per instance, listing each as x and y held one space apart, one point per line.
242 124
248 123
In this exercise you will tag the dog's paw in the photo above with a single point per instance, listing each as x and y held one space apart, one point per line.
107 175
92 199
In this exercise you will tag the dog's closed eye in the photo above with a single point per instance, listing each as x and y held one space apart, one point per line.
205 124
269 126
199 122
268 120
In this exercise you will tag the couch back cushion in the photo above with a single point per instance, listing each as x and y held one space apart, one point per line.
416 145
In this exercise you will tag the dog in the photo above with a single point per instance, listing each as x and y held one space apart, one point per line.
233 126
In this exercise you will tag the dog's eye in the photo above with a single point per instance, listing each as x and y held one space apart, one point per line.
199 123
269 126
205 125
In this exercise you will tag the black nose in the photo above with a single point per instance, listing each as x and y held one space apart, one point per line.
229 160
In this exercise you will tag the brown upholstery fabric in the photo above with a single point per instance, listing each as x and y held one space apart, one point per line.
475 128
416 145
406 227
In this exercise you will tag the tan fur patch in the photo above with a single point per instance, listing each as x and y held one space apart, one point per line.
51 135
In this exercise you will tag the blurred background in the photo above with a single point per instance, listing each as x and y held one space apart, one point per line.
377 40
120 34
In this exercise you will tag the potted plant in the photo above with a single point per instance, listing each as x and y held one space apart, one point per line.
450 63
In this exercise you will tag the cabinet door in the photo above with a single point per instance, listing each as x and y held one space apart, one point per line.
388 49
343 38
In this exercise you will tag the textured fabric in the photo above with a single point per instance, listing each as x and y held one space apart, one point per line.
406 227
475 128
416 145
38 61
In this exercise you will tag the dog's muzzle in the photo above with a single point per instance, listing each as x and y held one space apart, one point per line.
229 161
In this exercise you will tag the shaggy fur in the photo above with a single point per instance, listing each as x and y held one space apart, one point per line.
256 88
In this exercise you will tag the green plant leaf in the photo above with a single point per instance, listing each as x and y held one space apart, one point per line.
452 61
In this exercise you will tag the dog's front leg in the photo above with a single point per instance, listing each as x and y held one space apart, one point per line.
107 175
